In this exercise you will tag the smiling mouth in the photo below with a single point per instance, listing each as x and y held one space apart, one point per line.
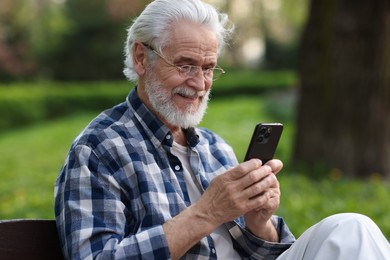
192 97
189 94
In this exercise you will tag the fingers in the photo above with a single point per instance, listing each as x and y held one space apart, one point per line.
249 178
263 188
242 169
267 202
276 165
255 177
268 205
243 188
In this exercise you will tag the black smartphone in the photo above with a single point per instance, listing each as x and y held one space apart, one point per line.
264 141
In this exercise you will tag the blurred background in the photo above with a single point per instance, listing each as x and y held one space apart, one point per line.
73 40
320 67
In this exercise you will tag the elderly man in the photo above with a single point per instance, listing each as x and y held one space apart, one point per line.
141 181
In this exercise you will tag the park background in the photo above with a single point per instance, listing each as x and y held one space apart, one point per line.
320 67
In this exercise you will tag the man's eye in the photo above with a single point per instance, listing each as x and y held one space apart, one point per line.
208 68
185 67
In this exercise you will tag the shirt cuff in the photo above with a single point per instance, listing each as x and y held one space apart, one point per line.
255 247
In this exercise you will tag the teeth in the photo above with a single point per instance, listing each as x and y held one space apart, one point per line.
184 95
188 93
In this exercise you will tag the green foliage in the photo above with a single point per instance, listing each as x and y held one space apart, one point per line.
22 104
238 82
295 13
84 40
48 24
64 40
92 49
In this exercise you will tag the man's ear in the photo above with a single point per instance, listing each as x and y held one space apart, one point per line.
139 58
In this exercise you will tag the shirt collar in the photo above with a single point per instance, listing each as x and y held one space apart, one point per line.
154 127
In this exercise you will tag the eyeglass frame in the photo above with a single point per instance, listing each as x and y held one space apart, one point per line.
188 72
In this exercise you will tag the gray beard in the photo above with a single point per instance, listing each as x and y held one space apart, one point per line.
161 102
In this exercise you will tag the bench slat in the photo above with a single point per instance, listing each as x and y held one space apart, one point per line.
29 239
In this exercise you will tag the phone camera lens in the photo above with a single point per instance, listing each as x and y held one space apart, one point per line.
263 130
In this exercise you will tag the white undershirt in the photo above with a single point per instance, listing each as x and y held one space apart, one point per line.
222 240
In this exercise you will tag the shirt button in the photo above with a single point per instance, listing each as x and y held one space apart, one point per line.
213 250
177 167
168 137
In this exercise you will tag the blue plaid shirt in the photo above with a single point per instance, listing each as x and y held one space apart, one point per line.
120 183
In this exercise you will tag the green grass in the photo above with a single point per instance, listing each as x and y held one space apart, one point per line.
26 103
304 202
30 159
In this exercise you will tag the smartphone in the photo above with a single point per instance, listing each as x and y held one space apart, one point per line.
264 141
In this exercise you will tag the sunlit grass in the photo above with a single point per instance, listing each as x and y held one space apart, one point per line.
30 159
304 202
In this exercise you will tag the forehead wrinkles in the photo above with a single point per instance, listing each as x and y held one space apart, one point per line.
193 41
194 56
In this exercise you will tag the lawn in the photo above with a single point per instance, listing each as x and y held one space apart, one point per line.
30 159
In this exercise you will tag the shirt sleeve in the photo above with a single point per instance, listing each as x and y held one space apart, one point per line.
252 247
92 219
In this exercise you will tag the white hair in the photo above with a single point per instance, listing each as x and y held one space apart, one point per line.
152 25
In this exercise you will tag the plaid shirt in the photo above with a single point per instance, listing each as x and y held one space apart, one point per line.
120 183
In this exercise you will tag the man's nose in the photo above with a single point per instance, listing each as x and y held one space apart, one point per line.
199 81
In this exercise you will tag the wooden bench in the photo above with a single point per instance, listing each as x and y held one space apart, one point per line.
29 239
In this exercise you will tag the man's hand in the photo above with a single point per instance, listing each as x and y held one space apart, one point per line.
258 221
249 189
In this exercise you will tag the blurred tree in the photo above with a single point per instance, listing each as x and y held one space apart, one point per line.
64 39
15 58
344 109
93 46
83 40
283 21
267 32
47 25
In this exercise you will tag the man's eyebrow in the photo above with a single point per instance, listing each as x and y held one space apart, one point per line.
191 61
185 59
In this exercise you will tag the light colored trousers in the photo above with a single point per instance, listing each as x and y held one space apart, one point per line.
340 237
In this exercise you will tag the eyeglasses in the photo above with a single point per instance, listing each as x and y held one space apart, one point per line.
190 71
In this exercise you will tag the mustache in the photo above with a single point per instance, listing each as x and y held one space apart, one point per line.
189 92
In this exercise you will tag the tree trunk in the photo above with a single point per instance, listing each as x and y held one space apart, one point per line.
344 107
